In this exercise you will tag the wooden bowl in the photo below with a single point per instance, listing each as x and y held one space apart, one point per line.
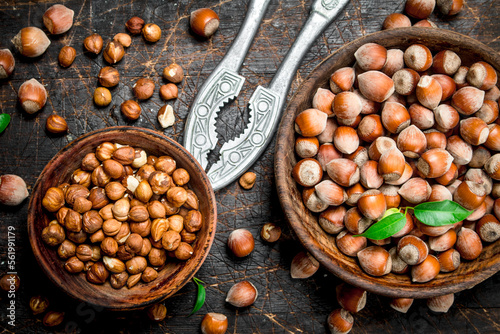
175 274
305 224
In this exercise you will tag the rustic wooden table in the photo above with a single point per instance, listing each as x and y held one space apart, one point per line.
284 305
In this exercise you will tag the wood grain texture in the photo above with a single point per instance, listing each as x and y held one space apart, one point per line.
305 224
284 305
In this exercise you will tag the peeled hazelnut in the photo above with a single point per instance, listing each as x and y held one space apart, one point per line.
426 270
7 63
53 318
166 116
214 323
118 281
270 232
10 282
38 304
160 182
242 294
184 251
66 249
149 275
134 25
241 242
169 91
177 196
143 88
351 298
151 32
375 261
56 124
133 280
157 312
310 122
171 240
66 56
32 96
97 274
123 39
396 20
93 43
102 96
108 76
31 42
340 321
204 22
303 265
136 265
180 176
53 234
113 52
173 73
375 86
58 19
130 109
74 265
53 199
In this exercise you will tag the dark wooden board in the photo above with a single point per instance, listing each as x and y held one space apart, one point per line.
284 305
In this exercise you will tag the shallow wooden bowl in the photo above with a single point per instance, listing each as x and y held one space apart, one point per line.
174 275
305 225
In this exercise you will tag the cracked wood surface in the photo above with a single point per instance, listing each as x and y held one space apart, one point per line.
284 305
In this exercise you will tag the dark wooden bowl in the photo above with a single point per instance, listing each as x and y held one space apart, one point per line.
305 224
175 274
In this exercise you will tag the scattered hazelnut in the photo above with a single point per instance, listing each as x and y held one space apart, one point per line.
113 52
169 91
157 312
351 298
7 63
32 96
166 116
247 180
214 323
58 19
241 242
304 265
53 318
131 109
441 304
93 43
38 304
108 76
123 39
10 282
270 232
340 321
102 96
151 32
134 25
31 42
143 88
66 56
204 22
173 73
242 294
56 124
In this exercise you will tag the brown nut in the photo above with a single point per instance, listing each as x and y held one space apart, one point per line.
10 282
351 298
143 88
53 234
66 250
240 242
97 274
38 304
340 321
123 39
303 265
247 180
270 232
32 96
375 260
204 22
136 265
118 281
242 294
66 56
169 91
113 52
134 25
173 73
171 240
151 32
53 199
108 76
53 318
7 63
130 109
93 43
73 265
184 251
149 275
102 96
31 42
58 19
56 124
157 312
214 323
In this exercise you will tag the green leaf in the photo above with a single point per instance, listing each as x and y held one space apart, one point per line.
200 298
440 213
390 212
385 227
4 121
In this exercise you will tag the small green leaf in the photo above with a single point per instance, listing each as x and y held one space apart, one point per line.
385 227
200 298
440 213
4 121
390 212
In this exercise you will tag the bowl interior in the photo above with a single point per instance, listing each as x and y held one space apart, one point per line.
304 223
175 274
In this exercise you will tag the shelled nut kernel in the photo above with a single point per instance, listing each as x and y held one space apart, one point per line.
93 43
66 56
425 130
56 124
122 228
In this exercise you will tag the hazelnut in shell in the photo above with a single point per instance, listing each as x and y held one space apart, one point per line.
214 323
7 63
242 294
241 242
32 96
31 42
204 22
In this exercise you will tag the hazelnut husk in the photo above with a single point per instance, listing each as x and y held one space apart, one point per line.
108 76
93 43
270 232
38 304
66 56
143 88
173 73
134 25
113 52
131 109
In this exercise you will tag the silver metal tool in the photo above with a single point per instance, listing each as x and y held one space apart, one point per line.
266 104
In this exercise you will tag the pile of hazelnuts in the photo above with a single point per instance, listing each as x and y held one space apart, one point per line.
122 216
397 129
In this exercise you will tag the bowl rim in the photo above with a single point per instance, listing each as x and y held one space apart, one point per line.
284 182
204 249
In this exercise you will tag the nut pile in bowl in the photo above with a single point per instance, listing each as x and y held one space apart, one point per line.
121 214
391 127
